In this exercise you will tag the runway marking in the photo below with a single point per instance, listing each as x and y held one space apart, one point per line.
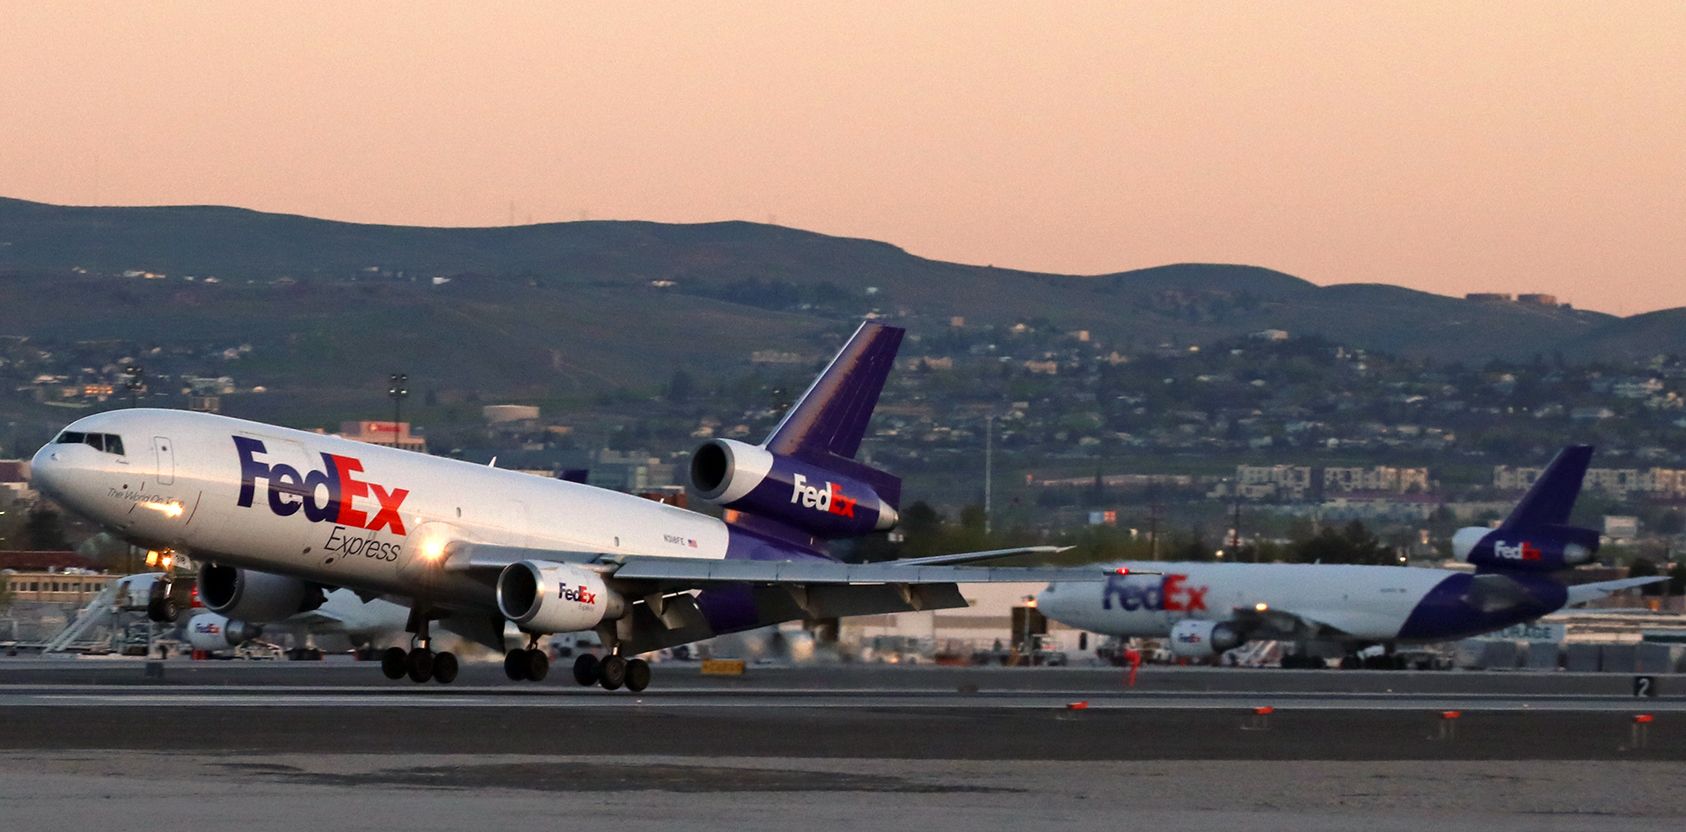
228 699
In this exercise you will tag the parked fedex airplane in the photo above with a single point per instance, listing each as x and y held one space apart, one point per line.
1205 609
278 516
342 615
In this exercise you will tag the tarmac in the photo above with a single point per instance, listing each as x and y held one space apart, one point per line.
334 745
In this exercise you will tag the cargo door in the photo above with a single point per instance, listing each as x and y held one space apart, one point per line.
164 449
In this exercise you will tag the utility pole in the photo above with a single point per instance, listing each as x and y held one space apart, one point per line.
989 468
1153 531
134 378
1235 529
397 389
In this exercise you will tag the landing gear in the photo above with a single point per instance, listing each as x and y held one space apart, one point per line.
637 675
419 663
530 665
611 672
585 669
394 663
1299 661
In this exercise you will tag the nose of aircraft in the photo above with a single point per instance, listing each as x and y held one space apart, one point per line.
46 470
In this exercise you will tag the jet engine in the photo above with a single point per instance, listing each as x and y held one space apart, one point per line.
1204 639
211 632
545 597
250 595
1548 548
819 500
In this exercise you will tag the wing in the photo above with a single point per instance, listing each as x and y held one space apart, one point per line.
1284 625
669 610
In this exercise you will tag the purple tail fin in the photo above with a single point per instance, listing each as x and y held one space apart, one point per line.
1552 497
826 425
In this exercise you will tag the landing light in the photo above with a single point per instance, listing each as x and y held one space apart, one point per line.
171 510
433 548
1261 607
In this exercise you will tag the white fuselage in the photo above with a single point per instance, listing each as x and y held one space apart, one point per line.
182 482
1365 602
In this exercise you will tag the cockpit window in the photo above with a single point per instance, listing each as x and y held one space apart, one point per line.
110 443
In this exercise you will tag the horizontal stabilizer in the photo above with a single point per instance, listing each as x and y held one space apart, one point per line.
1582 593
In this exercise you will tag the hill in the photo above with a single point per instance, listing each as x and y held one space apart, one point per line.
594 304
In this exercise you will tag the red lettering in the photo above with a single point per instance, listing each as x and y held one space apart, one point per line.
350 490
1197 598
840 505
1530 551
1169 590
389 502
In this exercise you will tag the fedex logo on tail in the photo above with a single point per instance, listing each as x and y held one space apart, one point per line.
1519 551
1171 593
330 495
829 499
583 594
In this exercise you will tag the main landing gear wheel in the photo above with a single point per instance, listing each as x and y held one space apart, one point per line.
445 668
529 665
395 663
420 664
611 672
637 675
585 669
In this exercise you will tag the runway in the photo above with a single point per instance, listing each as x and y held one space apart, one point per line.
291 745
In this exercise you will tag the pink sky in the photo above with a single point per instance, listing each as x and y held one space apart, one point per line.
1454 147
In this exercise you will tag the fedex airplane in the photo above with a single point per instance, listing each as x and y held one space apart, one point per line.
1205 609
278 517
342 615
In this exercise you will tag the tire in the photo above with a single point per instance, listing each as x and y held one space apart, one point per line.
420 663
163 610
611 672
395 663
585 669
538 665
445 668
637 675
1351 663
515 665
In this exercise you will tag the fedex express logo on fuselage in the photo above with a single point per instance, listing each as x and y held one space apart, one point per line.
1171 593
829 499
1522 550
290 491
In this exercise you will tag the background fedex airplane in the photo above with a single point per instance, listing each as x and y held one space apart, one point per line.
277 516
342 615
1205 609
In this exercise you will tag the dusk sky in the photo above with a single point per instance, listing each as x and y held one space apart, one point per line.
1453 147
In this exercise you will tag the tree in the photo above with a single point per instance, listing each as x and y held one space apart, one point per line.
1645 568
680 387
44 530
1352 544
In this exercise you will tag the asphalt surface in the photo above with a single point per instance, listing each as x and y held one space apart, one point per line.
846 712
101 743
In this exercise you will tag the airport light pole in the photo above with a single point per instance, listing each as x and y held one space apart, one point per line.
398 388
134 378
